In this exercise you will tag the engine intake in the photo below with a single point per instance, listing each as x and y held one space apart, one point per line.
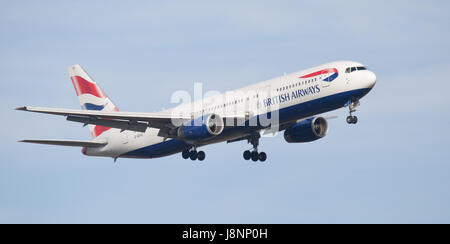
306 130
202 129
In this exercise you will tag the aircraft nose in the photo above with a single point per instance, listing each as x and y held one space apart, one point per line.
371 79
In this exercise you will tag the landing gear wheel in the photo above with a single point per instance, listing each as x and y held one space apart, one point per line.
255 156
186 154
193 155
201 155
349 119
247 155
352 119
262 156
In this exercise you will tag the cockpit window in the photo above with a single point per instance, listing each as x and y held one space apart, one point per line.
353 69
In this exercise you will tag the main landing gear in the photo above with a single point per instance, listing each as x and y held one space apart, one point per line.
193 154
254 155
351 119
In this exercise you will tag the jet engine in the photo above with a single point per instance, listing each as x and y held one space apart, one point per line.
306 130
202 129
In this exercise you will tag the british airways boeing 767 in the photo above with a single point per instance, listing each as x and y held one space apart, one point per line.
290 103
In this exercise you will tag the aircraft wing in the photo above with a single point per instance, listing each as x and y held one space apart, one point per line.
67 143
121 120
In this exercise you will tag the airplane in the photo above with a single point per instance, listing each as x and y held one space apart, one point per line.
291 103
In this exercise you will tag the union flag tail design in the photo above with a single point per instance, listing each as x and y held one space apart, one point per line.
91 96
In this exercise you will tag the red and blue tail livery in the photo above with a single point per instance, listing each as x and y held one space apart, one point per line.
91 96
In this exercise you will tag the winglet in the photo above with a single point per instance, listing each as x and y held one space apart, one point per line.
24 108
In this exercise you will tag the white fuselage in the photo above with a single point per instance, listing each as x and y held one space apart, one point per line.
292 97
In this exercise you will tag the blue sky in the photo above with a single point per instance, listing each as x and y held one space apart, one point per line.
393 167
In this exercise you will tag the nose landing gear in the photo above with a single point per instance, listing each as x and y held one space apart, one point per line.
254 155
352 119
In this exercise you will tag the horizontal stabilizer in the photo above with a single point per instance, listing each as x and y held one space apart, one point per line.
67 143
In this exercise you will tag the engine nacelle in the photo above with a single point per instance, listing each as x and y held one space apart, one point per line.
201 129
306 130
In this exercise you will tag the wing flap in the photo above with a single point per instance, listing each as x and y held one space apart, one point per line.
123 120
70 143
105 115
123 125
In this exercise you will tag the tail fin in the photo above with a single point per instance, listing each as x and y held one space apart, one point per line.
91 96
